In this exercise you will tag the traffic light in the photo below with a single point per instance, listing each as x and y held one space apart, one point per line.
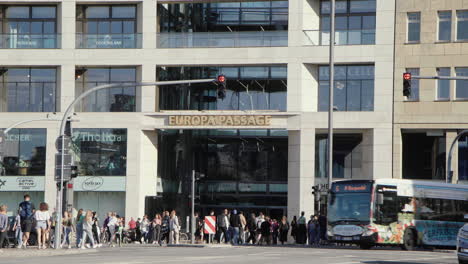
74 172
221 82
407 84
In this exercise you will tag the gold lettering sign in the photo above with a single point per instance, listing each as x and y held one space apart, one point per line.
220 120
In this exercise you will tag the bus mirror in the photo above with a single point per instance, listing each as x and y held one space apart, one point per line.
380 199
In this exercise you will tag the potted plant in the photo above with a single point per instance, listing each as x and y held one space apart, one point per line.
23 167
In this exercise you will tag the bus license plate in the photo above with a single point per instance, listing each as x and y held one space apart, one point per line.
347 238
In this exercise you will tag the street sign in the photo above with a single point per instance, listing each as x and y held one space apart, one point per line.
209 226
58 143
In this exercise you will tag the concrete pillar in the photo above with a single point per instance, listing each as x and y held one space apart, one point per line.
382 153
65 87
146 95
397 153
450 135
367 156
66 15
301 157
142 170
50 188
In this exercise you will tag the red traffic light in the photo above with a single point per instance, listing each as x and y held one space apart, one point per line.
407 76
221 78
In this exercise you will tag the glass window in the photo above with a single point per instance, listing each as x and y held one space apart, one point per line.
443 86
414 85
414 27
461 85
362 6
248 88
24 152
123 12
28 90
100 152
97 12
43 12
353 89
17 12
445 25
462 25
120 99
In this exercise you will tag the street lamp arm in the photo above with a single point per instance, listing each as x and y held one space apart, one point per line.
27 121
449 159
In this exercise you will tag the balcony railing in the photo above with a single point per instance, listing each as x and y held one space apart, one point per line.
222 39
29 41
342 37
108 41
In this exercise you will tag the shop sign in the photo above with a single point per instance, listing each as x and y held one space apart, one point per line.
99 184
21 183
220 120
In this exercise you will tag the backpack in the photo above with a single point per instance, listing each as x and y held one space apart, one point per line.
26 211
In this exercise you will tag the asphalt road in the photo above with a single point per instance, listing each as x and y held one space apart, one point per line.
228 255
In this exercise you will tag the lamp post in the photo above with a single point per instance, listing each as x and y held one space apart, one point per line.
67 114
331 87
448 177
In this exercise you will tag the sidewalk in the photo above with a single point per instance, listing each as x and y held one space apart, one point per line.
34 252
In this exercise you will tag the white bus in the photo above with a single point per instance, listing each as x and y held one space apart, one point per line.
396 212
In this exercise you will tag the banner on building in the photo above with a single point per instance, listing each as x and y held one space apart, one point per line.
99 184
21 183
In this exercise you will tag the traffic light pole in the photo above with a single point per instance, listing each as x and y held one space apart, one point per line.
330 102
67 114
440 77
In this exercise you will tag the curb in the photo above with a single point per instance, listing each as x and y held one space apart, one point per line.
201 245
21 253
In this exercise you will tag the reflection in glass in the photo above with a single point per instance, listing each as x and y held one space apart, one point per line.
107 100
248 88
28 90
353 88
100 152
24 152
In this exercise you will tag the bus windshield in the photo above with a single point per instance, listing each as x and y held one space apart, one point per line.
349 207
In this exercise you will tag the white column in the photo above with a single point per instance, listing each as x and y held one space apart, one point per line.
382 153
66 26
301 173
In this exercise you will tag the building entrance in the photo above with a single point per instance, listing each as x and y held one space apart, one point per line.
239 169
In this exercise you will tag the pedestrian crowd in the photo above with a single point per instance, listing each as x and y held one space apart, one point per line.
231 226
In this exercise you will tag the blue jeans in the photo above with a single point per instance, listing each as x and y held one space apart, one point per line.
79 234
235 235
66 235
19 236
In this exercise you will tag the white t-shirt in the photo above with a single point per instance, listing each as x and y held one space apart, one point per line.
42 216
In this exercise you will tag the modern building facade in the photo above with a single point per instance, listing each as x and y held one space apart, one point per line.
430 40
260 148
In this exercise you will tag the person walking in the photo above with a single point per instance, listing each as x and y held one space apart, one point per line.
235 227
67 223
96 229
243 227
251 228
79 227
274 231
322 220
313 231
198 229
301 230
27 211
156 227
260 220
265 229
17 230
88 230
223 226
112 226
165 232
3 224
144 229
42 218
174 228
294 228
283 230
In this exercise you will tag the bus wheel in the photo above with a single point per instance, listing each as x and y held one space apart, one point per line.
409 239
365 246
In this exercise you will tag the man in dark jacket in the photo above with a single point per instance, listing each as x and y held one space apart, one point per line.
223 226
252 226
26 214
235 225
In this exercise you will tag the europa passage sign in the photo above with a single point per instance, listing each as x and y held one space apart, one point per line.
220 120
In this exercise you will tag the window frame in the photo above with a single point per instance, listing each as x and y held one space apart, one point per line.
456 98
30 19
457 26
438 85
441 20
410 21
83 20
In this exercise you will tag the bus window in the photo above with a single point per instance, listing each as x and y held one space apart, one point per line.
440 209
387 212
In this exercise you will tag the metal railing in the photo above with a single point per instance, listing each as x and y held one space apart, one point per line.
222 39
29 41
342 37
108 41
